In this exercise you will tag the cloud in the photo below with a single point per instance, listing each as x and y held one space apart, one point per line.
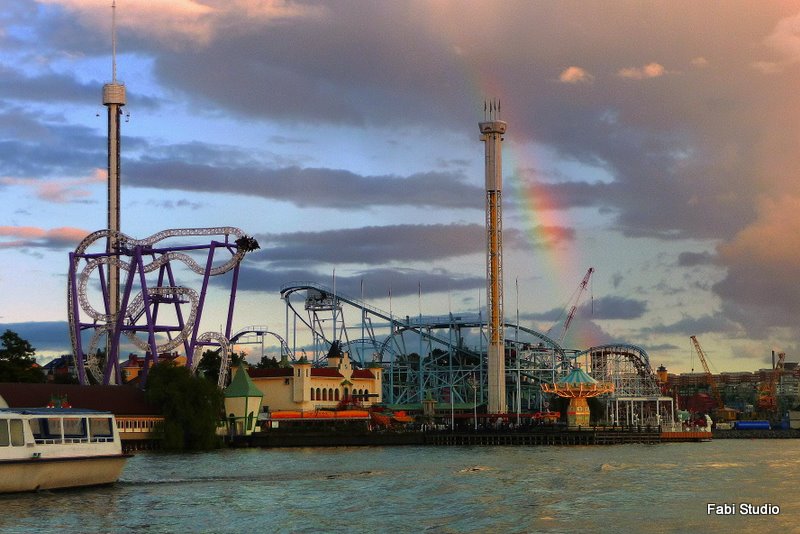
307 187
376 244
43 336
763 264
690 326
182 23
651 70
575 75
691 259
376 283
612 307
785 38
33 237
60 191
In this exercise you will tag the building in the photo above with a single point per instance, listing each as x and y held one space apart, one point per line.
138 421
132 367
242 404
304 388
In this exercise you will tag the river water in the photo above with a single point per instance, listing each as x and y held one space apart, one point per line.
619 488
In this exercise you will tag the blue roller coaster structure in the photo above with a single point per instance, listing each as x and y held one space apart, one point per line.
444 358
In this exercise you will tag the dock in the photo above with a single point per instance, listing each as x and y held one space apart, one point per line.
555 436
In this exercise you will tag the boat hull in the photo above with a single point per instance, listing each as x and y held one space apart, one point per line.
37 474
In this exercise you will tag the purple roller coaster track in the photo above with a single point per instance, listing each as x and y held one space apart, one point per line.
156 314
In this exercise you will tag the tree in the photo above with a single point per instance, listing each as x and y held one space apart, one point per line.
191 405
17 362
268 363
211 360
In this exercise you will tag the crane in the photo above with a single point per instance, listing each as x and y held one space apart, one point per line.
575 301
709 377
767 397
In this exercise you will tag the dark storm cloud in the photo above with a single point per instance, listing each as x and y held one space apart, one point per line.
305 187
47 88
605 308
375 283
34 148
692 259
613 308
378 244
672 177
690 326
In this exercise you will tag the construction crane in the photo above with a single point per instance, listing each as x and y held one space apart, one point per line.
721 411
575 301
767 394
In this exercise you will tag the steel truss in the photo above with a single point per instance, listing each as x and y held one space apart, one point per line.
440 357
156 314
637 398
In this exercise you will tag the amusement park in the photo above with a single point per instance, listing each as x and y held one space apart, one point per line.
473 368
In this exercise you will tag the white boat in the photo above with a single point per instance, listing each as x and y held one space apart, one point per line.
52 448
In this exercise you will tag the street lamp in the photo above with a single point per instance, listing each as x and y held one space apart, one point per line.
474 386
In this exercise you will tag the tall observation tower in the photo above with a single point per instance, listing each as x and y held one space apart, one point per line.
492 131
113 99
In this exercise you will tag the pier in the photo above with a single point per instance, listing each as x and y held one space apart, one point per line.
588 436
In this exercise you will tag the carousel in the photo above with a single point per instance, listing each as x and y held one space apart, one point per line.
578 386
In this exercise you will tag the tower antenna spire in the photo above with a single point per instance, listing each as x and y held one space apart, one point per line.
113 41
114 100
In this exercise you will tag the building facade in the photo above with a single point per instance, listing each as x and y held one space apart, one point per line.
302 387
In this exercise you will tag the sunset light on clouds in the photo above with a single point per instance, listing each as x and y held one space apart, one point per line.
657 142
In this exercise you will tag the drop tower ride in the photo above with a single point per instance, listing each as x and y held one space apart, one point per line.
492 131
113 99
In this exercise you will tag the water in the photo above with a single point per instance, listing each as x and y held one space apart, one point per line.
621 488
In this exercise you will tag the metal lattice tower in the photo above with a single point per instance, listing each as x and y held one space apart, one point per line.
492 135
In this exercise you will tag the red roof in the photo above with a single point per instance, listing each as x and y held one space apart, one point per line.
269 373
326 371
120 400
363 373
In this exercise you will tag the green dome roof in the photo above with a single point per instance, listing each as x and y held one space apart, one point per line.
576 377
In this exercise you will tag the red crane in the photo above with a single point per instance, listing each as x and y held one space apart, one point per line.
721 412
767 394
575 301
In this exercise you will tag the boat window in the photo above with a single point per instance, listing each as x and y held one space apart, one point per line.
100 427
17 434
4 440
74 427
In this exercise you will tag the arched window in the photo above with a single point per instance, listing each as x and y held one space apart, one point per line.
324 394
346 393
330 394
319 394
336 394
313 397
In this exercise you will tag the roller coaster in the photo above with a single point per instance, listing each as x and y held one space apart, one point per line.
156 314
444 358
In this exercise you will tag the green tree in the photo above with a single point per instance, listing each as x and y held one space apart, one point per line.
17 362
211 360
268 363
191 405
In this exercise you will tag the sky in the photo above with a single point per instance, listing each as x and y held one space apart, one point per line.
657 142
